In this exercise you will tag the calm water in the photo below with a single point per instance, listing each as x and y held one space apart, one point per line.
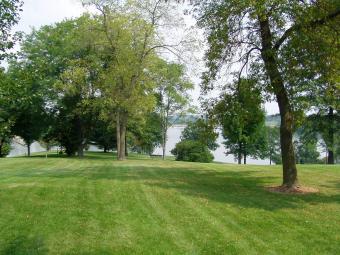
174 134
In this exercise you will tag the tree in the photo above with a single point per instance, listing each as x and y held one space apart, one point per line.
263 32
66 69
326 125
203 131
28 105
6 119
305 142
103 135
146 133
128 35
273 138
172 95
242 119
9 16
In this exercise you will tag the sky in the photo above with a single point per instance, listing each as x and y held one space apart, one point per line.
45 12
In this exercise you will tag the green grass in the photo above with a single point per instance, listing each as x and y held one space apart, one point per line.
97 205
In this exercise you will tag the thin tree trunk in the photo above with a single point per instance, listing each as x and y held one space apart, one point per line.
28 149
126 148
165 131
122 135
330 158
118 133
269 56
163 144
245 159
270 159
239 154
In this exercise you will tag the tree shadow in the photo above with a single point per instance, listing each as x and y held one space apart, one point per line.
22 245
241 188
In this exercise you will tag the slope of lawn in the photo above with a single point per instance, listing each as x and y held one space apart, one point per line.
97 205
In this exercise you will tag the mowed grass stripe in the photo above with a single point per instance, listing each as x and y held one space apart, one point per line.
100 206
199 212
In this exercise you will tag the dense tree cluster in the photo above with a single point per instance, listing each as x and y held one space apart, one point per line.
96 79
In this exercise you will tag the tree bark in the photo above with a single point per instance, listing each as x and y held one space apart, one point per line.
164 144
121 134
245 159
330 158
28 149
81 150
118 133
239 154
126 147
122 141
269 56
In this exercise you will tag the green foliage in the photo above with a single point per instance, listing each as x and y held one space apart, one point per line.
146 133
274 150
5 147
28 104
202 131
9 16
192 151
242 119
104 135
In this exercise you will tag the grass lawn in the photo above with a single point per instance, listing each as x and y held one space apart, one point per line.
97 205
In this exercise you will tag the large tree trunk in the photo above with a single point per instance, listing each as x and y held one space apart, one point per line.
81 150
330 158
269 56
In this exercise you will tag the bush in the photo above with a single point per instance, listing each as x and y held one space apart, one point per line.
192 151
5 149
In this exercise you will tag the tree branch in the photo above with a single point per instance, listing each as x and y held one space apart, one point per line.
297 27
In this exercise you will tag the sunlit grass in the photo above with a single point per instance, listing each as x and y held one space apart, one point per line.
97 205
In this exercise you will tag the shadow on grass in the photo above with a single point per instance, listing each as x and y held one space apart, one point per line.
23 245
240 188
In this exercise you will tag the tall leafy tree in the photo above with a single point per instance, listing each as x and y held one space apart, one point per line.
172 94
28 106
263 33
242 119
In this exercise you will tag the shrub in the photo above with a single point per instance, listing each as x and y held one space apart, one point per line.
5 149
192 151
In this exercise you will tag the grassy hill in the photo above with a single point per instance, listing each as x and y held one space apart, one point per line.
97 205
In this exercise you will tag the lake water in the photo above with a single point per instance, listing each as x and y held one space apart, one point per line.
174 134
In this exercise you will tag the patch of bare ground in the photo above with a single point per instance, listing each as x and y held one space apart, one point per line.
292 190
